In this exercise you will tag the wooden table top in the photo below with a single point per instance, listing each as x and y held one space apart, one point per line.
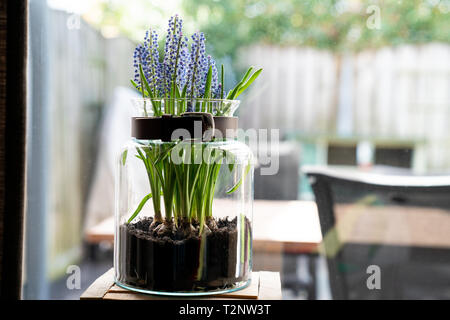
294 227
394 225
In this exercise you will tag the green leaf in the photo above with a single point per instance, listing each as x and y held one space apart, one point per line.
207 94
183 93
244 84
124 157
249 82
144 81
236 186
232 93
164 154
156 110
140 206
177 92
183 96
208 83
247 74
141 154
137 87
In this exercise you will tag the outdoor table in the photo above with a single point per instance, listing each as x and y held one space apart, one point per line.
294 227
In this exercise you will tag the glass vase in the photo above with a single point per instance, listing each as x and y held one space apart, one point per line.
183 213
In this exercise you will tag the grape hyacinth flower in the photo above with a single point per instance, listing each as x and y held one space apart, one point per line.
198 66
175 55
152 67
137 60
181 72
147 56
183 63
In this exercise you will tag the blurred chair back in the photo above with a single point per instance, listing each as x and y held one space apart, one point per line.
283 185
384 236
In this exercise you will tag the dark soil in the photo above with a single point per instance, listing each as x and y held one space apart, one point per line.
165 257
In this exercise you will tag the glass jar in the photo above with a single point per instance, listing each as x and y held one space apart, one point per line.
183 213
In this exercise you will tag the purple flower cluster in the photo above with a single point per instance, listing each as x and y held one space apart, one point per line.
189 68
137 60
148 56
175 54
153 68
198 66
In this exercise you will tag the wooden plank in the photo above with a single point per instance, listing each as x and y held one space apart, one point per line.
100 287
251 292
269 286
134 296
117 289
138 296
104 288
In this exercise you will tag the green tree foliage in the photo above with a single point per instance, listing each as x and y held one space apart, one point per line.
328 24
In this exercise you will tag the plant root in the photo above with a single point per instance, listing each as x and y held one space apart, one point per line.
211 224
164 229
184 230
154 224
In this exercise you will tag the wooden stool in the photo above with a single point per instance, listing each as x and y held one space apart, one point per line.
264 286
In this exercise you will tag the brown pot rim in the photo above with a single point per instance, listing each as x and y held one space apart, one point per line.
155 128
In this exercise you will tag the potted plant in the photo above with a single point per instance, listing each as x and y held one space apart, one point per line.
184 184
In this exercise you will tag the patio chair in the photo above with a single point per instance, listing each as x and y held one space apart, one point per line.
397 223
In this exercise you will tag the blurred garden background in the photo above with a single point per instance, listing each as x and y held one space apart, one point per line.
352 82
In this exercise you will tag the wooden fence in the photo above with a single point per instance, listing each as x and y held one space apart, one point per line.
84 70
392 93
